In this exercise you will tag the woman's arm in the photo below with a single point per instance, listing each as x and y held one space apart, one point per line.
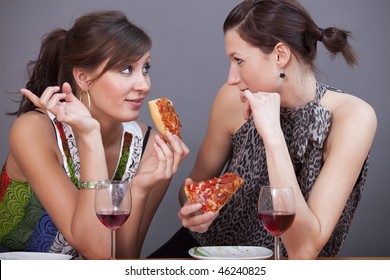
351 134
353 128
33 148
160 162
71 210
224 120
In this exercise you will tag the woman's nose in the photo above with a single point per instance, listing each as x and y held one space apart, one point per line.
143 83
233 78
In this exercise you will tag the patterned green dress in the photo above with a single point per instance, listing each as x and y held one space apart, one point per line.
24 223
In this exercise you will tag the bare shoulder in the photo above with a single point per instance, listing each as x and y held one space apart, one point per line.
353 124
228 95
32 124
31 136
346 108
228 108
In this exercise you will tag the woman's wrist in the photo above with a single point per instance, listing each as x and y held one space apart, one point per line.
90 141
137 189
89 133
93 166
275 140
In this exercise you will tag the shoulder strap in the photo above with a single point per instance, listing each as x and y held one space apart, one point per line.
146 138
321 89
36 110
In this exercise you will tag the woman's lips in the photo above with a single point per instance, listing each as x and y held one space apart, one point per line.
135 102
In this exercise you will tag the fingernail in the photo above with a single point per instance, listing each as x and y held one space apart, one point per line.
210 214
198 206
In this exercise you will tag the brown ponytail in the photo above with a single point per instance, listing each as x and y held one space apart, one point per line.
44 71
336 41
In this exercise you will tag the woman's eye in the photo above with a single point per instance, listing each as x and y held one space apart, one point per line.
238 61
146 68
127 70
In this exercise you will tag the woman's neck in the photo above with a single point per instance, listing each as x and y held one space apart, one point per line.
298 90
111 133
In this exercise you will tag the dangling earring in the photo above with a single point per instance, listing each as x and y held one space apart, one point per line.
88 97
282 75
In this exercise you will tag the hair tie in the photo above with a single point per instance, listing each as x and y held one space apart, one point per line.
322 34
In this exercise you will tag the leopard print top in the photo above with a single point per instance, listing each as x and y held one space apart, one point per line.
305 129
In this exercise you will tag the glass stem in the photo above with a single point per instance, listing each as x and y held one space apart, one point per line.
113 244
277 248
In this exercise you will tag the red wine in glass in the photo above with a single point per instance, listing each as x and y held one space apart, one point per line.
277 222
276 210
113 206
113 219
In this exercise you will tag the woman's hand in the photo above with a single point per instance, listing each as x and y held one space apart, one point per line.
192 218
195 220
265 108
163 163
65 106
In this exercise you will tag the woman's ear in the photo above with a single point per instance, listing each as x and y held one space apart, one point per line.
283 54
81 77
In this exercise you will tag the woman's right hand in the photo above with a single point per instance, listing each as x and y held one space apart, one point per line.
265 108
161 164
193 219
65 106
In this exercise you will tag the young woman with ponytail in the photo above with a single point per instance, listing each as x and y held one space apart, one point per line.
275 124
77 124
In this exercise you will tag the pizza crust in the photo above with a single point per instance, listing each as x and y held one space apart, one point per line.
168 114
156 116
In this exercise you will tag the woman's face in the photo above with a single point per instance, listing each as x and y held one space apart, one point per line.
250 68
120 93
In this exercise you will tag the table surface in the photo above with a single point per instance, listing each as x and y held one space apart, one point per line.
4 249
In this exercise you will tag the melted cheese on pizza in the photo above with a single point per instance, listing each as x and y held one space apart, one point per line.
213 194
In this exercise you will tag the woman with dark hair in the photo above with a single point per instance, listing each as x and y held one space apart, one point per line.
77 125
275 124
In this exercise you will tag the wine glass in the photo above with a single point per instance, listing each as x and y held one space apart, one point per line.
276 208
113 206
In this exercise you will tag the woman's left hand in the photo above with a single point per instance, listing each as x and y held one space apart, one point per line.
163 163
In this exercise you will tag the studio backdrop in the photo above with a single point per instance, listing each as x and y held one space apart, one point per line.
189 65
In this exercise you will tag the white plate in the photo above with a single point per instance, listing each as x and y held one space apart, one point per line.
230 252
33 256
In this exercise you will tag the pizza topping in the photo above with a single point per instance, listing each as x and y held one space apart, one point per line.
168 115
213 194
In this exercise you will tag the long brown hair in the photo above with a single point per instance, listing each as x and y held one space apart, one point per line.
264 23
94 38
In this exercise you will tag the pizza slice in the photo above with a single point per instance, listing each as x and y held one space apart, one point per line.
164 116
213 194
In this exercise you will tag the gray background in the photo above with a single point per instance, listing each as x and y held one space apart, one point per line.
189 65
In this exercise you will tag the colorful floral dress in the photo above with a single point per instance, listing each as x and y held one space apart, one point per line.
24 223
